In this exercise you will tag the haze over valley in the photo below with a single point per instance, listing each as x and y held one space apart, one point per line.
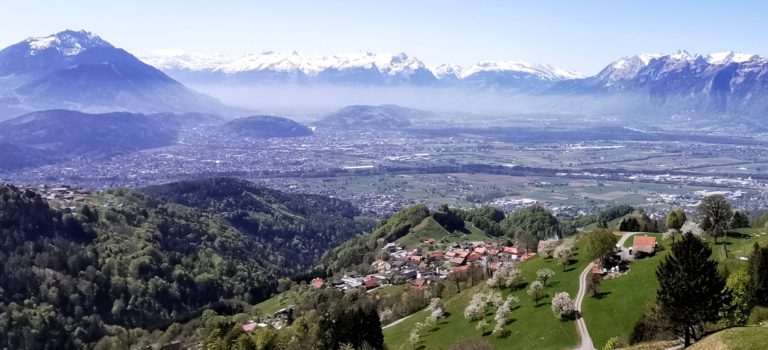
202 176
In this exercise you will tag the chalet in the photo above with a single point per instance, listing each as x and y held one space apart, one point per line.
456 261
480 250
318 283
644 245
511 250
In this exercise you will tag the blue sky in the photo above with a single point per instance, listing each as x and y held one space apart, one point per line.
579 35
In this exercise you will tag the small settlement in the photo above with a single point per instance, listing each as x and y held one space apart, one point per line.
428 263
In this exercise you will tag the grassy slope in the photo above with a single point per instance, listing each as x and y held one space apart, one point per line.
742 338
532 327
429 228
624 299
616 313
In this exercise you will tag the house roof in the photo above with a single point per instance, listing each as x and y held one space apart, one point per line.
511 250
474 256
644 242
457 261
416 257
318 282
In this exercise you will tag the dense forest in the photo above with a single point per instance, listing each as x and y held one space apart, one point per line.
128 261
300 227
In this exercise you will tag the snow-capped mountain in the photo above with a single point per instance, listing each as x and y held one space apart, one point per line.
359 68
79 70
681 82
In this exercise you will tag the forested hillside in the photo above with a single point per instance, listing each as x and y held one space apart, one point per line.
300 227
127 260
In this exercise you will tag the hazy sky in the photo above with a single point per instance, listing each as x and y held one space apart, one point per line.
579 35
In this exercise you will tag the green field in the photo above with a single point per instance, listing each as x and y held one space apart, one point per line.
623 299
531 326
741 338
429 228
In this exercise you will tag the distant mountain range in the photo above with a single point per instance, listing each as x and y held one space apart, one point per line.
678 83
79 70
350 68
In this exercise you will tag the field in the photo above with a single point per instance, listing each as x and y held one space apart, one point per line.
429 228
531 326
622 300
742 338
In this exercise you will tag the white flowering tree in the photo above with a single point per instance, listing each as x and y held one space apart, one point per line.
415 335
563 254
436 305
562 306
692 227
547 247
536 291
544 275
476 308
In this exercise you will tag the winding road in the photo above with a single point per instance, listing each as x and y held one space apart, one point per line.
581 326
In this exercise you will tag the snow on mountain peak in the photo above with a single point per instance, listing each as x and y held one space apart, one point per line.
313 64
546 72
727 57
68 42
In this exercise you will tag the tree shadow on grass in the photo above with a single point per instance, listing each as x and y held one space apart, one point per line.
600 295
510 321
569 269
739 235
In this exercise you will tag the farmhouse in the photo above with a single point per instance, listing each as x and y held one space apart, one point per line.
644 245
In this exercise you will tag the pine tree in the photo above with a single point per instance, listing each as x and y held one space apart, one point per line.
758 274
691 288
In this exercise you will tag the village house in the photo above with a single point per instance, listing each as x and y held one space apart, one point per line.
643 245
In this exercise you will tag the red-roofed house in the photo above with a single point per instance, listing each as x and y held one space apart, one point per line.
480 250
511 250
460 268
430 241
450 253
463 253
371 283
435 255
416 257
420 283
527 256
644 244
456 261
472 257
318 283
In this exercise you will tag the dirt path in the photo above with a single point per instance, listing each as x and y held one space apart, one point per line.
581 326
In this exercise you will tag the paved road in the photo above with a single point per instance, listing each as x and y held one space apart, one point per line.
586 340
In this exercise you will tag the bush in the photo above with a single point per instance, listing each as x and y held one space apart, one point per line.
758 316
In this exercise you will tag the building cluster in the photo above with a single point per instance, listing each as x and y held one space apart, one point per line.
428 264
